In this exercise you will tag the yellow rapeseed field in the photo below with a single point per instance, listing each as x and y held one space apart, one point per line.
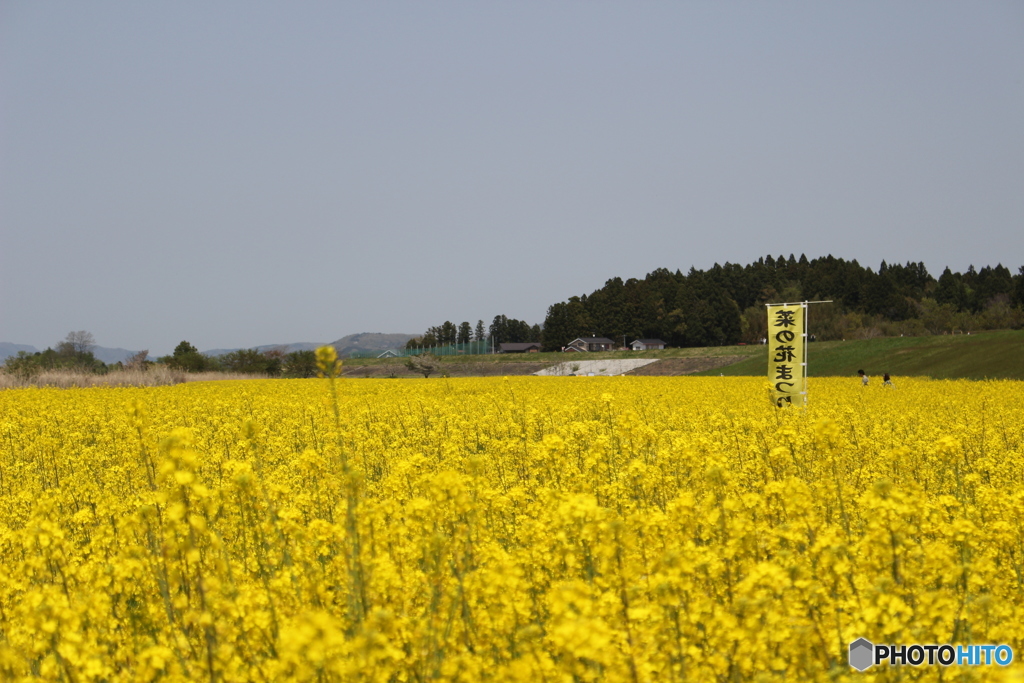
524 529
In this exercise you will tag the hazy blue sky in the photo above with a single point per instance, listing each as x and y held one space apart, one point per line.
239 173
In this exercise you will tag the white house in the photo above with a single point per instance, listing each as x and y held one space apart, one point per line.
647 344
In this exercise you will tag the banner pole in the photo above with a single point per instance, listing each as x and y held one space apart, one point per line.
807 341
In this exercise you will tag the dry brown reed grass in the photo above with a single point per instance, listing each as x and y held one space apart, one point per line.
153 377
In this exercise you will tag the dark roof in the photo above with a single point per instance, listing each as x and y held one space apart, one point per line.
518 346
647 341
594 340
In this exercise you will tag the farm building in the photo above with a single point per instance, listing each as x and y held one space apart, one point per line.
516 347
647 344
590 344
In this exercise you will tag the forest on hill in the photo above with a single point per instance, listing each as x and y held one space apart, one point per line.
725 304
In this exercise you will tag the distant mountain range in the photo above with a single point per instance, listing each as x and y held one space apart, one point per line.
364 341
9 349
287 348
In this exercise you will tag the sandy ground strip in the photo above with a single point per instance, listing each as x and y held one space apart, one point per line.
608 367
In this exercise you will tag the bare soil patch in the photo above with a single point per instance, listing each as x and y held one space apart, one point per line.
450 369
672 367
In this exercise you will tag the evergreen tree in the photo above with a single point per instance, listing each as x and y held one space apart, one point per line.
993 283
564 322
950 290
187 357
449 333
499 329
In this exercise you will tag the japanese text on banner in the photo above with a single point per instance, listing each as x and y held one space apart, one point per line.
787 371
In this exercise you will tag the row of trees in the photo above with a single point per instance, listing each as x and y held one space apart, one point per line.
509 330
75 353
449 333
725 304
502 329
275 362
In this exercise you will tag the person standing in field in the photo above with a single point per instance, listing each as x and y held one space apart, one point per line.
863 378
887 381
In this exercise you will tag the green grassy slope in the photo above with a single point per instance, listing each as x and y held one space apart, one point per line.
559 357
986 355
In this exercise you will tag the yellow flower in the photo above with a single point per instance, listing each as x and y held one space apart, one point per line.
518 529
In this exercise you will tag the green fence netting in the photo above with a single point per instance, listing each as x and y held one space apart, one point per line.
468 349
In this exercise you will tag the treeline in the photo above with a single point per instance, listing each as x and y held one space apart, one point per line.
273 362
75 353
502 329
718 306
725 304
